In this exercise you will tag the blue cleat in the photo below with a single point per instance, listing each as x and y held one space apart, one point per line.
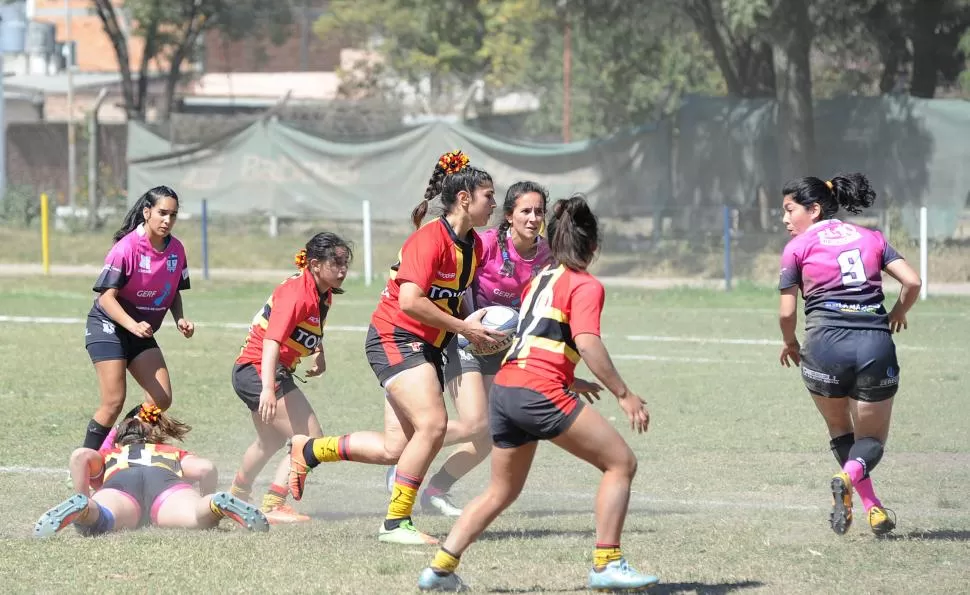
432 581
61 516
619 576
241 512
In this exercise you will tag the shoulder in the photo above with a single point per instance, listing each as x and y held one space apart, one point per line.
175 245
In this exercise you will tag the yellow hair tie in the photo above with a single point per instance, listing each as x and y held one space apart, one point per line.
300 259
453 162
829 184
149 413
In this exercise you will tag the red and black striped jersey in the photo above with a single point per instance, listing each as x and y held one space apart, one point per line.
442 265
557 305
294 316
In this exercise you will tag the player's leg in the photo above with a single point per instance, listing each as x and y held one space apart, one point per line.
596 441
185 508
470 392
104 344
294 415
511 463
149 370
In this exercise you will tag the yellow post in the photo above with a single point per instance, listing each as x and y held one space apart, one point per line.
45 247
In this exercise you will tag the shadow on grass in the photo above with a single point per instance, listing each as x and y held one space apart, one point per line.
659 589
328 515
933 535
540 533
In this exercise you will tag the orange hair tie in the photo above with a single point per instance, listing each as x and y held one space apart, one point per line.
300 259
453 162
149 413
829 184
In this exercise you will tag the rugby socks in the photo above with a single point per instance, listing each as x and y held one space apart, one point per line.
440 483
444 562
403 495
241 487
867 494
103 524
328 449
864 455
274 497
95 435
604 554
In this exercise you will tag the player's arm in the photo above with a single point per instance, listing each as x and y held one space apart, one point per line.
788 315
598 360
176 308
202 470
910 284
85 465
414 303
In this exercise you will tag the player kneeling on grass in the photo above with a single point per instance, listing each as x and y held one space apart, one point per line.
145 482
534 398
848 361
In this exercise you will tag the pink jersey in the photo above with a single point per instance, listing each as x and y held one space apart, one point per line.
502 274
838 267
147 280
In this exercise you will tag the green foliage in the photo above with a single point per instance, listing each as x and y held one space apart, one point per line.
20 205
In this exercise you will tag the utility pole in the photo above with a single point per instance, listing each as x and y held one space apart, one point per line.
567 66
71 136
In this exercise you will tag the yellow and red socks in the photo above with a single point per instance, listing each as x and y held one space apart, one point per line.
241 488
215 509
606 553
444 562
403 495
275 497
328 449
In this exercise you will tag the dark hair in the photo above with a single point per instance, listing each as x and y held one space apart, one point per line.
573 232
136 214
447 186
136 430
513 194
323 247
850 191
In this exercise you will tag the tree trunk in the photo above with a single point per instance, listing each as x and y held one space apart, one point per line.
109 20
792 41
925 17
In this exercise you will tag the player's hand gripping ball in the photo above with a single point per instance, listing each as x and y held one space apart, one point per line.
499 318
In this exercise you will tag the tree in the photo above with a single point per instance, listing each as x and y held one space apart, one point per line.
172 29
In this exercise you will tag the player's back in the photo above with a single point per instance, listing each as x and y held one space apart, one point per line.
838 267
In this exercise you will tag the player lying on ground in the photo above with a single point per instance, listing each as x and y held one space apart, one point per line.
143 481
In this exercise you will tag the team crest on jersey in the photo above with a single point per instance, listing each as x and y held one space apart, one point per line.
838 235
145 263
172 263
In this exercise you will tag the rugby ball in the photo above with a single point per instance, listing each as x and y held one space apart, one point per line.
500 318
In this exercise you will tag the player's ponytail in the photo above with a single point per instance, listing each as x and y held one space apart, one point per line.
851 192
136 214
152 426
573 232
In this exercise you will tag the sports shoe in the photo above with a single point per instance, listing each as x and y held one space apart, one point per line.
242 512
298 466
429 580
60 516
439 502
841 517
283 514
881 520
405 534
389 478
620 576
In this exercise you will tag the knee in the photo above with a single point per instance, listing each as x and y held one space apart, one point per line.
268 446
433 425
478 429
626 464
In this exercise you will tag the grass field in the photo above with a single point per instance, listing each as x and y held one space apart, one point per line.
731 495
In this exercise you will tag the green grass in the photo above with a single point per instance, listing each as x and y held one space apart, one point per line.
730 496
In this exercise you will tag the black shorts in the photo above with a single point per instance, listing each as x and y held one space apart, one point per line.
517 415
458 362
106 340
861 364
248 385
148 487
389 356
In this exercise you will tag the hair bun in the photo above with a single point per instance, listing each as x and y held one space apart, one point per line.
453 162
299 259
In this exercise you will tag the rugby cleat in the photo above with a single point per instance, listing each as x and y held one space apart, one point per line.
283 514
61 516
620 576
298 466
405 534
840 519
439 503
429 580
243 513
881 520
